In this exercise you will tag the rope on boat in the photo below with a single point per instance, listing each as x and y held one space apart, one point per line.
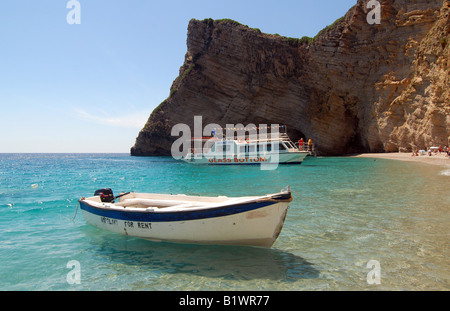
78 205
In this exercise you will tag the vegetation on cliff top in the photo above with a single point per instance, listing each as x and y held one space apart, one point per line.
289 40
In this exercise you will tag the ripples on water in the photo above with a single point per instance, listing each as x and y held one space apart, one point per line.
346 212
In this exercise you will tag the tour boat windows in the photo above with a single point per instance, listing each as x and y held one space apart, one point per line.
249 149
218 150
224 149
263 148
259 148
289 145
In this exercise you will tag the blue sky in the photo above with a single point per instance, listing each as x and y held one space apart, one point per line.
90 87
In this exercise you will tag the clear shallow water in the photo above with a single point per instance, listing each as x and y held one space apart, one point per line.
346 212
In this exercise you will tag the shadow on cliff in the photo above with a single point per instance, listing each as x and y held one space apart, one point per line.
212 261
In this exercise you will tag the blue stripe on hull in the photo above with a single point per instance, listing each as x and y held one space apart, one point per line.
174 216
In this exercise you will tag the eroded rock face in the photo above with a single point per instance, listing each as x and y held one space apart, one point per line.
354 88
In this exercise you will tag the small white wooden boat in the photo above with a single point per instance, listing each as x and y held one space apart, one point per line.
251 220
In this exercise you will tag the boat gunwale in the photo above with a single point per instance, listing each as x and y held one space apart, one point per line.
167 215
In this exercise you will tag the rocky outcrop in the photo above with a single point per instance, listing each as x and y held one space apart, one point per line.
356 87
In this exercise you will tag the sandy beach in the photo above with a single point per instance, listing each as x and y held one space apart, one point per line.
434 159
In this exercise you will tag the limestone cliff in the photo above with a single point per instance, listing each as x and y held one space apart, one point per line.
355 87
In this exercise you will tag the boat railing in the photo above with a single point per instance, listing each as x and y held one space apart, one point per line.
305 147
259 138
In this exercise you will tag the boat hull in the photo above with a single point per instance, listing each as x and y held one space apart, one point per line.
255 223
282 158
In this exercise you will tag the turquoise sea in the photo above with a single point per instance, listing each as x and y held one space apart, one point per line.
354 224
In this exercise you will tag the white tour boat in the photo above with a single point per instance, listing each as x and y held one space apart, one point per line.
249 220
263 149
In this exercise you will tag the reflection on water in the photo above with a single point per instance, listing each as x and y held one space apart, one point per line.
216 263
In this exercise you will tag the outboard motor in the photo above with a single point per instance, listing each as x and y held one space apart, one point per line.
106 195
